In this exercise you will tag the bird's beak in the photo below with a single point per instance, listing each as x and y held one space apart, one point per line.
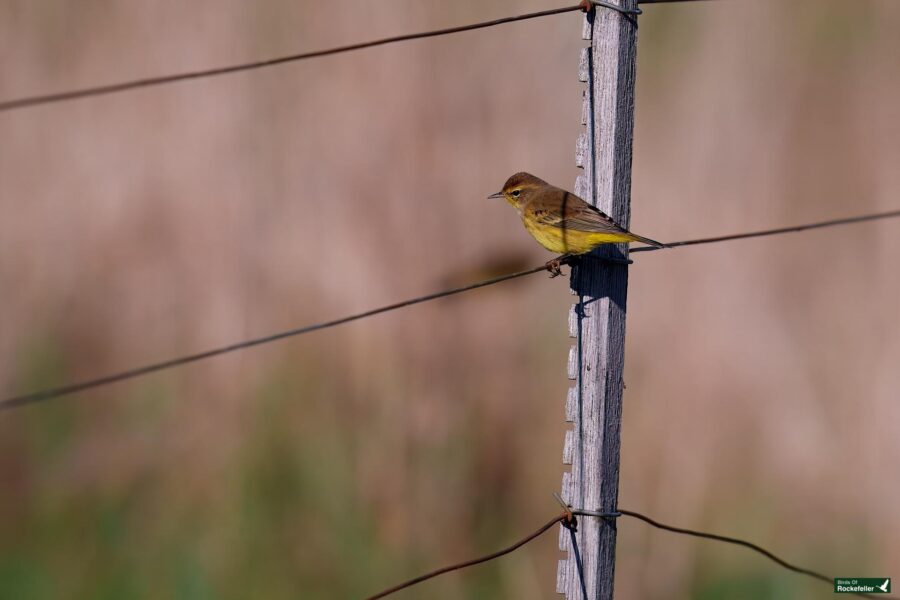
497 195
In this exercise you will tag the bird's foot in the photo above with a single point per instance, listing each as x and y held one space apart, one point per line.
554 265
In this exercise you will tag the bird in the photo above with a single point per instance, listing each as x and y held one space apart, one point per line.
562 222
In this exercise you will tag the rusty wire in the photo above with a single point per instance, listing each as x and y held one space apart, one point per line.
567 520
781 230
65 390
122 86
103 90
475 561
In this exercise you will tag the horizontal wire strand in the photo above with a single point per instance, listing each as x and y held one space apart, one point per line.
724 538
781 230
30 398
175 362
566 519
103 90
732 540
114 88
535 534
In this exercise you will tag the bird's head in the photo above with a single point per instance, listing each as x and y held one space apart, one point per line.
519 188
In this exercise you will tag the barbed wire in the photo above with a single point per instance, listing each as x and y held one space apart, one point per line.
767 232
730 540
568 520
475 561
66 390
113 88
183 360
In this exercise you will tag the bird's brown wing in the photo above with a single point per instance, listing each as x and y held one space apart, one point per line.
568 211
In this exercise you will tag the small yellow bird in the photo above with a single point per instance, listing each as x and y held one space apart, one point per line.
561 221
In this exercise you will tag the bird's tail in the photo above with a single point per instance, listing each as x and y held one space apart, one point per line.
648 241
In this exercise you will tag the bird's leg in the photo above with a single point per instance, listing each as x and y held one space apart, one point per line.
554 265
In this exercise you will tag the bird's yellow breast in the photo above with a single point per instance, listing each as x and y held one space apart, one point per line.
570 241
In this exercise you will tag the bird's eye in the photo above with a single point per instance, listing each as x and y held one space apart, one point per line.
516 193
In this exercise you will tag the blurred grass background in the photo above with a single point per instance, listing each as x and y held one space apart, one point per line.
762 376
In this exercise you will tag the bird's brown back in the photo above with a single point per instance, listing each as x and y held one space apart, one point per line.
554 206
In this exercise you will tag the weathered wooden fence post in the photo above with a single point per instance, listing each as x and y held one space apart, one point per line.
597 320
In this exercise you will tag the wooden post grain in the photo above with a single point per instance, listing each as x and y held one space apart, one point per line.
597 320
